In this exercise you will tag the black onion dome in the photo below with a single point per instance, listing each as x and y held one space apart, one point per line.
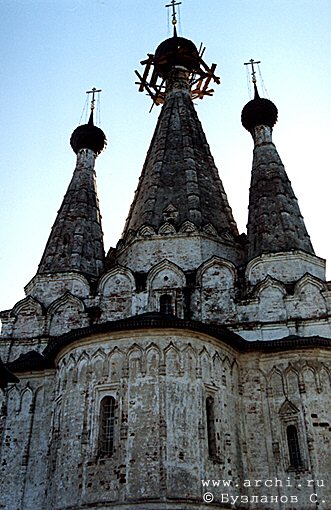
88 136
259 112
176 51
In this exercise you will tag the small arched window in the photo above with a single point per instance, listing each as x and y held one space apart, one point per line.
293 447
212 450
106 434
166 304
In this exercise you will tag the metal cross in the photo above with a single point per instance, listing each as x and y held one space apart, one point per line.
252 62
93 91
173 4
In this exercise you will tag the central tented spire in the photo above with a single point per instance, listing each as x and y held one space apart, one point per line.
179 180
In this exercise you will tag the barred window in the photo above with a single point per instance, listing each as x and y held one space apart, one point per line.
293 447
166 304
211 427
106 434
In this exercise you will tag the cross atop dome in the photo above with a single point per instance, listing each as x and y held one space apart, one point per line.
251 63
93 92
173 4
89 136
258 111
176 52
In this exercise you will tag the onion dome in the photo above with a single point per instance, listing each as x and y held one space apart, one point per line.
88 136
259 112
176 51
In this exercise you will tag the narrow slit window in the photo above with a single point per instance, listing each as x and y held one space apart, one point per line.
106 437
212 450
166 304
293 447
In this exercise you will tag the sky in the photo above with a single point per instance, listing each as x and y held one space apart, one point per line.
53 51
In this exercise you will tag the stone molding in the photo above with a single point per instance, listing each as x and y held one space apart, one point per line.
36 361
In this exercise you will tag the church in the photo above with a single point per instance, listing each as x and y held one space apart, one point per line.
189 367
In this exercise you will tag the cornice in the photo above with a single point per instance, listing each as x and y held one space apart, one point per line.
34 361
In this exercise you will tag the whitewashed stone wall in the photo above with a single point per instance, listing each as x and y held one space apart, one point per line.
160 380
273 300
25 424
188 249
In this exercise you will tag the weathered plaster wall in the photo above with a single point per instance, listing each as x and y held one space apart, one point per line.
160 380
25 425
255 306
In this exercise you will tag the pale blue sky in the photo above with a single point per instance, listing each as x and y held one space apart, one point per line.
55 50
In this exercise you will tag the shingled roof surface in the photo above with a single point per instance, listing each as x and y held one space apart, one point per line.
179 180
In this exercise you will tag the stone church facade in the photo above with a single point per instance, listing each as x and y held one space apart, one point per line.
187 354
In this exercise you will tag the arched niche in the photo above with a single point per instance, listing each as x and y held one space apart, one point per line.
270 294
216 279
116 290
28 317
165 284
65 314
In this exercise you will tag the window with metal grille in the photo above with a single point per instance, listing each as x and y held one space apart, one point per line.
212 450
293 447
166 304
106 435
